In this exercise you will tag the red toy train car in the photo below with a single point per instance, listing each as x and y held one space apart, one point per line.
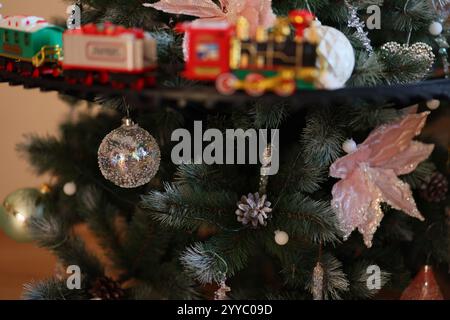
275 60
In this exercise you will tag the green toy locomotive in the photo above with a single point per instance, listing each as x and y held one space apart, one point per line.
30 45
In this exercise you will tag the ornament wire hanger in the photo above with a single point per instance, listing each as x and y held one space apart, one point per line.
221 293
405 10
308 6
127 108
221 276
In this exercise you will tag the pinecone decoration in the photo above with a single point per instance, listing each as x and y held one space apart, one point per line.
105 288
436 189
253 209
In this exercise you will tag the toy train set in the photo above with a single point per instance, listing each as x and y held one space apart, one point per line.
120 57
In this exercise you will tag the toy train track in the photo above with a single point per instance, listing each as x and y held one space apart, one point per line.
229 66
208 98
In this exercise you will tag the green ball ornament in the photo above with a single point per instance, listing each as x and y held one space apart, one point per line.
17 209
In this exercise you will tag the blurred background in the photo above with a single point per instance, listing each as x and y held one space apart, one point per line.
31 111
25 111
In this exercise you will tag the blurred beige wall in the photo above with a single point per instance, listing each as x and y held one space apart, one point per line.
25 111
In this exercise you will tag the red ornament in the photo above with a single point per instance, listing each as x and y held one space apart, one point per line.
423 287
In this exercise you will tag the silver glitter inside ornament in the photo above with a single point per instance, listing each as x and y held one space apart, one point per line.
129 156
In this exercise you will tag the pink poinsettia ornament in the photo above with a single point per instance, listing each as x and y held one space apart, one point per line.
369 175
257 12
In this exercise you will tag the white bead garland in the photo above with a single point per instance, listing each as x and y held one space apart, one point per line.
435 28
433 104
70 188
281 238
349 146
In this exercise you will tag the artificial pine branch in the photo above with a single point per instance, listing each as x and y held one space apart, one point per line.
52 289
358 280
101 216
51 234
149 250
183 207
321 139
303 217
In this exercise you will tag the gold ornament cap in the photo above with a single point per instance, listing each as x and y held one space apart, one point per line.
127 122
45 188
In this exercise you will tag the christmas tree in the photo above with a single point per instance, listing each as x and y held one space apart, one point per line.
208 230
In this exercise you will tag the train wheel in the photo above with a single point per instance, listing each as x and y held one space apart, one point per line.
226 84
138 85
71 81
104 77
89 79
150 81
56 72
117 85
10 67
285 88
253 84
25 73
36 73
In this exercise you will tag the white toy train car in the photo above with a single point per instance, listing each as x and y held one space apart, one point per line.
109 54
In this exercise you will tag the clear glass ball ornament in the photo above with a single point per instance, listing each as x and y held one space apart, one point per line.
129 156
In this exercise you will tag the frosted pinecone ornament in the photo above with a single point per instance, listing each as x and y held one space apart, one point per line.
253 210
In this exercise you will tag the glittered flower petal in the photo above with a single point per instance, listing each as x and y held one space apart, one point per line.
351 199
392 139
408 160
345 165
196 8
395 192
370 225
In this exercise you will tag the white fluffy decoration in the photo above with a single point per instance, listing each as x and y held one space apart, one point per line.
435 28
70 188
281 238
349 146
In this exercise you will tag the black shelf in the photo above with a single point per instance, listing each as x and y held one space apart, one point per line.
211 100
